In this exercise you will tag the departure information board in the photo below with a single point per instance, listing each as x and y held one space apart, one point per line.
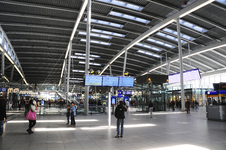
188 76
92 80
110 81
126 81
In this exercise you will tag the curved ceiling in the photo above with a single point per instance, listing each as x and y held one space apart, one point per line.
39 31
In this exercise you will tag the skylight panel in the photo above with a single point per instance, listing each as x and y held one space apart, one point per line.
148 53
122 4
96 42
169 37
106 23
147 46
79 57
222 1
108 32
81 54
192 26
96 35
160 43
113 13
175 33
95 64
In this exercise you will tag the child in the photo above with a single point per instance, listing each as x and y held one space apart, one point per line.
68 114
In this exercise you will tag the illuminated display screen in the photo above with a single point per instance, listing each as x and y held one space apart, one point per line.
110 81
188 76
92 80
126 81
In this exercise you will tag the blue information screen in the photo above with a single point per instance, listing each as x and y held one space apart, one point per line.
126 81
110 81
92 80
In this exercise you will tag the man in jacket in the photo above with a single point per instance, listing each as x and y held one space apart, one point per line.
2 113
120 115
73 114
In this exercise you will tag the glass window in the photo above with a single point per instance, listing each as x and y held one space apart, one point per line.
148 53
147 46
192 26
160 43
222 1
105 23
170 37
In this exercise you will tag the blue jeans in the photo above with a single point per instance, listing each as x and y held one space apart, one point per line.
120 121
1 124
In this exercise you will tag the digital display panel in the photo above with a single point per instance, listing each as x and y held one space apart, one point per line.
92 80
110 81
188 76
126 81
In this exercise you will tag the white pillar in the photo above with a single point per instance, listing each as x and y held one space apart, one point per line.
68 70
88 29
181 65
124 67
109 108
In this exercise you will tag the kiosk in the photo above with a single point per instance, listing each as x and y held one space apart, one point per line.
216 103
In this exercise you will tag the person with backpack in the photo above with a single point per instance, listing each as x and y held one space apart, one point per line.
150 108
120 115
32 120
3 117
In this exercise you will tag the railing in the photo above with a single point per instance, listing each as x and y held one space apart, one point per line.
62 110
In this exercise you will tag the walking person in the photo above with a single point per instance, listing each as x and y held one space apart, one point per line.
32 122
173 104
3 117
68 114
150 108
196 105
73 114
120 115
188 106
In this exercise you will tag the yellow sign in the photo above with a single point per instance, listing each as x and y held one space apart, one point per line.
10 90
16 90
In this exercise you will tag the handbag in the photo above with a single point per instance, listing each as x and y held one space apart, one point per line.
31 115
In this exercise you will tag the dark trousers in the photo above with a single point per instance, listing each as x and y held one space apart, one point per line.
73 119
31 124
188 109
68 117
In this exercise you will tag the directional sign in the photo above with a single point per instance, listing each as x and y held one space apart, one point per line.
16 90
10 90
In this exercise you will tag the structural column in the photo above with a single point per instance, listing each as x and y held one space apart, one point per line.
3 64
124 67
11 77
68 70
88 29
109 108
181 65
65 81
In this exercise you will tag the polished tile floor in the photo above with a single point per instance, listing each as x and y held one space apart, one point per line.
165 131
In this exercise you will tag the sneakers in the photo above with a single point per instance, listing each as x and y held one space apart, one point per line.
121 136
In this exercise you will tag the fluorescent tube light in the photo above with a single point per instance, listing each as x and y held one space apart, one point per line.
80 54
95 64
96 42
79 57
82 71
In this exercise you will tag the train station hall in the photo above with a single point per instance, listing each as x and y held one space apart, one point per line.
113 75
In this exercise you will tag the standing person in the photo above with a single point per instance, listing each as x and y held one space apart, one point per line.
196 105
3 117
73 114
120 115
49 103
188 106
173 104
19 104
150 108
68 114
32 107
